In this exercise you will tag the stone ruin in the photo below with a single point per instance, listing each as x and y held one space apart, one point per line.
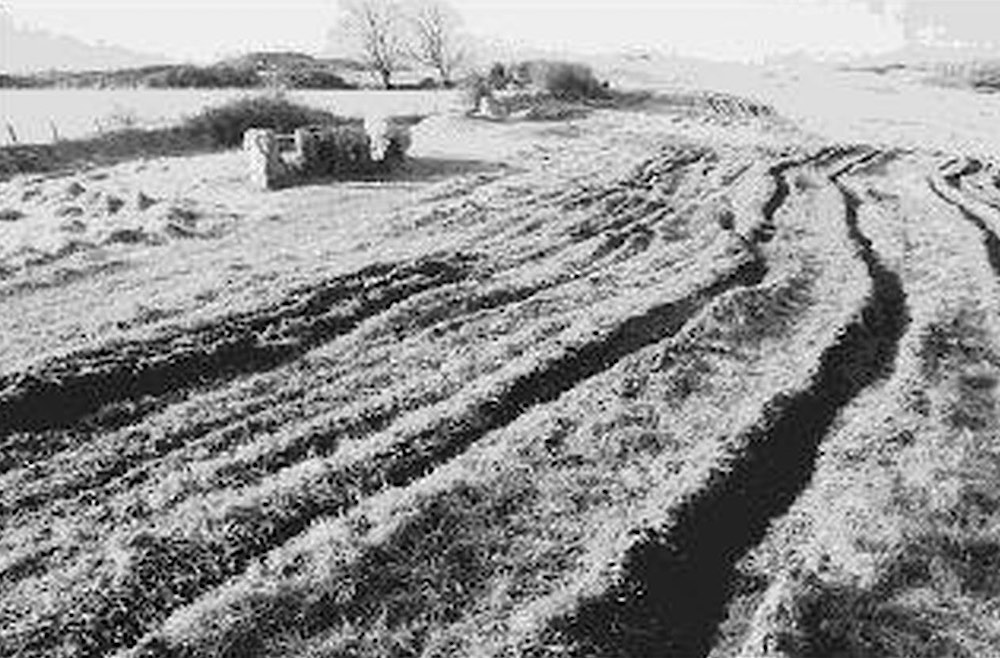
354 148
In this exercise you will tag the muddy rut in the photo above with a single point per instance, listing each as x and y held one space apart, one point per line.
631 375
675 580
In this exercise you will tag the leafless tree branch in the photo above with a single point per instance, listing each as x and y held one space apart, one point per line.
378 28
437 44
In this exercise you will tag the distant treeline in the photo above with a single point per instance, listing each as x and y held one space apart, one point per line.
288 70
979 75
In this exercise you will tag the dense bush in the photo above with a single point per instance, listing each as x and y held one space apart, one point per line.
499 76
223 126
314 79
213 128
986 79
473 87
204 77
17 82
564 80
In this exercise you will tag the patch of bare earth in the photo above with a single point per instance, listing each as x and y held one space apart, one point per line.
664 381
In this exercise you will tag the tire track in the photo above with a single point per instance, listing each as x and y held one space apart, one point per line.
133 462
765 231
970 167
410 452
991 241
65 390
676 580
225 544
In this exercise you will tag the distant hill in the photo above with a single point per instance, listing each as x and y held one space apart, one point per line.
290 60
35 58
290 70
27 51
264 69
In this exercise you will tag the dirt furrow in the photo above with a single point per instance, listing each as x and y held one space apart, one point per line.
970 167
870 561
824 157
950 194
135 460
676 580
764 232
63 390
434 308
464 421
248 527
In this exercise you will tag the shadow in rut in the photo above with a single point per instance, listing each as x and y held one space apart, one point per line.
62 390
412 170
677 579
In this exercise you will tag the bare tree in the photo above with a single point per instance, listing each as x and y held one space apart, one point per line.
436 40
377 29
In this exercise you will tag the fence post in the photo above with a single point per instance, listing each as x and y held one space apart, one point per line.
10 131
55 131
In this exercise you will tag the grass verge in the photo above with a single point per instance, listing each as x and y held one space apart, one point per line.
214 128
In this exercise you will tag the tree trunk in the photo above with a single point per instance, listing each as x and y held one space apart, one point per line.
446 81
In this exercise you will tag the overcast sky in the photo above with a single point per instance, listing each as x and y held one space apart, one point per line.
732 29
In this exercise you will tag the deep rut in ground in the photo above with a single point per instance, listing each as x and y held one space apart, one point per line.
676 581
404 461
64 390
954 181
395 458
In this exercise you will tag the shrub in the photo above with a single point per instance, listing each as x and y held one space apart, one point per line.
18 82
204 77
564 80
498 77
474 87
986 78
214 128
314 79
223 126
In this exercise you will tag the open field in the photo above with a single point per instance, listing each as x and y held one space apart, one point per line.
683 380
36 116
